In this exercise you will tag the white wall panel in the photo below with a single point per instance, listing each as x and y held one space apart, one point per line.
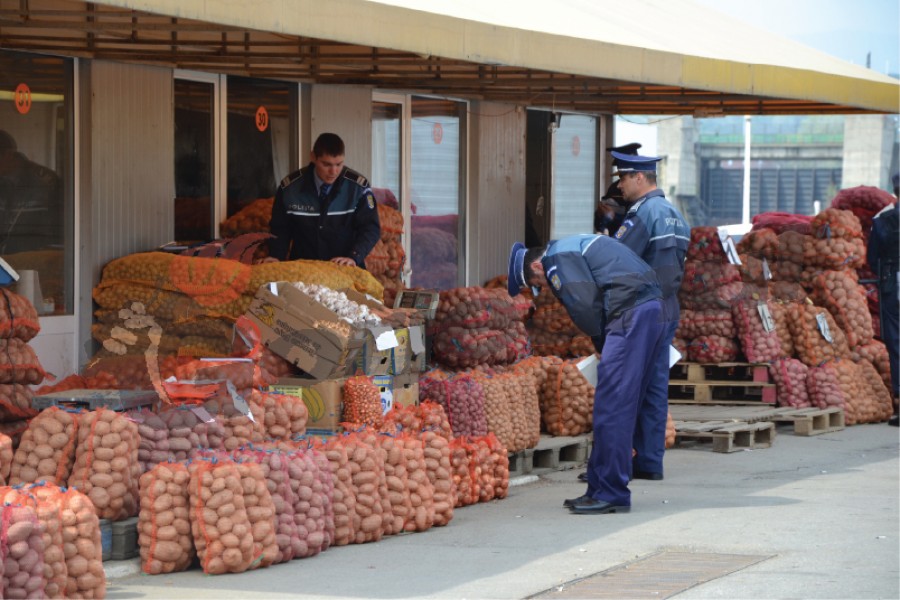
346 111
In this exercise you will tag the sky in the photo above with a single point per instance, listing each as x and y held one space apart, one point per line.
847 29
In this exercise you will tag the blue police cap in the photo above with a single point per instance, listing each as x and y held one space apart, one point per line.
515 282
631 148
629 163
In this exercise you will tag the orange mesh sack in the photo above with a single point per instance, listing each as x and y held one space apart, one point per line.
19 363
396 476
421 490
566 400
22 546
808 325
761 243
462 398
260 513
790 376
227 405
46 451
164 525
670 431
498 410
439 471
6 457
18 317
845 299
50 526
465 480
106 463
372 502
875 397
284 416
362 402
702 277
876 353
346 520
15 402
824 387
695 323
219 522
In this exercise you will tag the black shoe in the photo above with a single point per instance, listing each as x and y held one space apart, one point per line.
582 477
894 421
647 475
573 501
597 507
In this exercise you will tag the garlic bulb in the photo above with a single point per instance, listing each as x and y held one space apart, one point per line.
337 302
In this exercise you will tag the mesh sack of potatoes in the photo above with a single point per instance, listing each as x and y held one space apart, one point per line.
22 549
164 525
252 218
790 376
46 451
811 327
566 400
18 317
106 464
343 494
845 299
50 526
462 397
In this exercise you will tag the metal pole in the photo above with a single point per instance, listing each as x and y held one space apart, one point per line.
745 214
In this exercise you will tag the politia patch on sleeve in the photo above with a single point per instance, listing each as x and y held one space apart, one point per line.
370 198
555 282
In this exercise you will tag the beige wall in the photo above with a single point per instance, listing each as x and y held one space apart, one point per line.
346 111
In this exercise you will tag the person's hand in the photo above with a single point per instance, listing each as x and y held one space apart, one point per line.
344 261
268 259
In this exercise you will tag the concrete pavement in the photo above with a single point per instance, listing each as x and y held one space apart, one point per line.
822 511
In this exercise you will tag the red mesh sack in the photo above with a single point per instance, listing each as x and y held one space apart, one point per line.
19 363
781 221
18 317
15 402
50 527
22 549
758 345
462 398
702 277
864 202
706 245
712 349
695 323
790 376
761 243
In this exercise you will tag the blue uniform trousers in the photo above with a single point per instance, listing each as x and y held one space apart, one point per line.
890 334
633 341
650 428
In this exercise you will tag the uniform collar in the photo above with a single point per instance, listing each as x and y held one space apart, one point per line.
647 196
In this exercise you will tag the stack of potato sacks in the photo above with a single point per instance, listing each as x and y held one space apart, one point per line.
817 336
19 365
386 260
168 305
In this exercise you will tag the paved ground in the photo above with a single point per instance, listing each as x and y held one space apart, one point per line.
822 511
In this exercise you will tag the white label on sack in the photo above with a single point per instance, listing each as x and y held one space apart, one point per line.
767 272
202 414
823 328
766 317
588 368
728 245
239 403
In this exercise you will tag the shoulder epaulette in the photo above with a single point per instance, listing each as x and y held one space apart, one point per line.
885 210
292 177
356 178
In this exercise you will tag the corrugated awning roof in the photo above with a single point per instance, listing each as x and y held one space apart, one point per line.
658 57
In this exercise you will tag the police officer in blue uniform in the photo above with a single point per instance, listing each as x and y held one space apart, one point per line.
659 234
882 256
324 211
614 297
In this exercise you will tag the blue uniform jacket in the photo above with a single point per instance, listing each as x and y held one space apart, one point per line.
882 253
597 279
657 232
345 224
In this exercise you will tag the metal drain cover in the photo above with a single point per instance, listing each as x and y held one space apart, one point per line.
660 575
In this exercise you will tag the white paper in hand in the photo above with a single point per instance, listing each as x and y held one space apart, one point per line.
674 356
588 368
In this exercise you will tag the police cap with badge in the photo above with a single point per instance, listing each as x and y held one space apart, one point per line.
515 282
632 163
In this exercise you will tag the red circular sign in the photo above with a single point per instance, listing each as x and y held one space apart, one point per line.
23 98
576 145
262 118
437 133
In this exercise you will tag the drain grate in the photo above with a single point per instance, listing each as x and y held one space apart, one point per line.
656 576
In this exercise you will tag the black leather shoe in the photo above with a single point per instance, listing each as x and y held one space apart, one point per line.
597 507
647 475
894 421
582 476
573 501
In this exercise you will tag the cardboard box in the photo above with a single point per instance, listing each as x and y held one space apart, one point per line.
400 390
306 333
323 399
377 355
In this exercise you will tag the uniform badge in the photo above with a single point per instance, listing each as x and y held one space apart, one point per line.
371 199
555 282
621 232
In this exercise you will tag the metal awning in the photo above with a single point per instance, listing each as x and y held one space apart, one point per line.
659 57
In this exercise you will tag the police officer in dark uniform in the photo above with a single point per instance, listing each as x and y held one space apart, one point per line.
614 297
611 210
324 211
882 256
655 230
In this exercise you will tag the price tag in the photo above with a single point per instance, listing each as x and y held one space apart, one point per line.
202 414
239 403
766 317
823 328
728 245
767 272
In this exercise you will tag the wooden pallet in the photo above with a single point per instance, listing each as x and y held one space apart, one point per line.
740 383
806 421
727 436
730 371
552 453
812 421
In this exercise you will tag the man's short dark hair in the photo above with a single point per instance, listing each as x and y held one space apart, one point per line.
329 144
531 255
650 177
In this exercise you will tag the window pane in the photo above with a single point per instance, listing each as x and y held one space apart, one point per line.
36 206
386 153
435 193
574 176
259 139
194 170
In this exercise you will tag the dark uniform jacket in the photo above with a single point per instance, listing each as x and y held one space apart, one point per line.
883 250
657 232
344 224
597 280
